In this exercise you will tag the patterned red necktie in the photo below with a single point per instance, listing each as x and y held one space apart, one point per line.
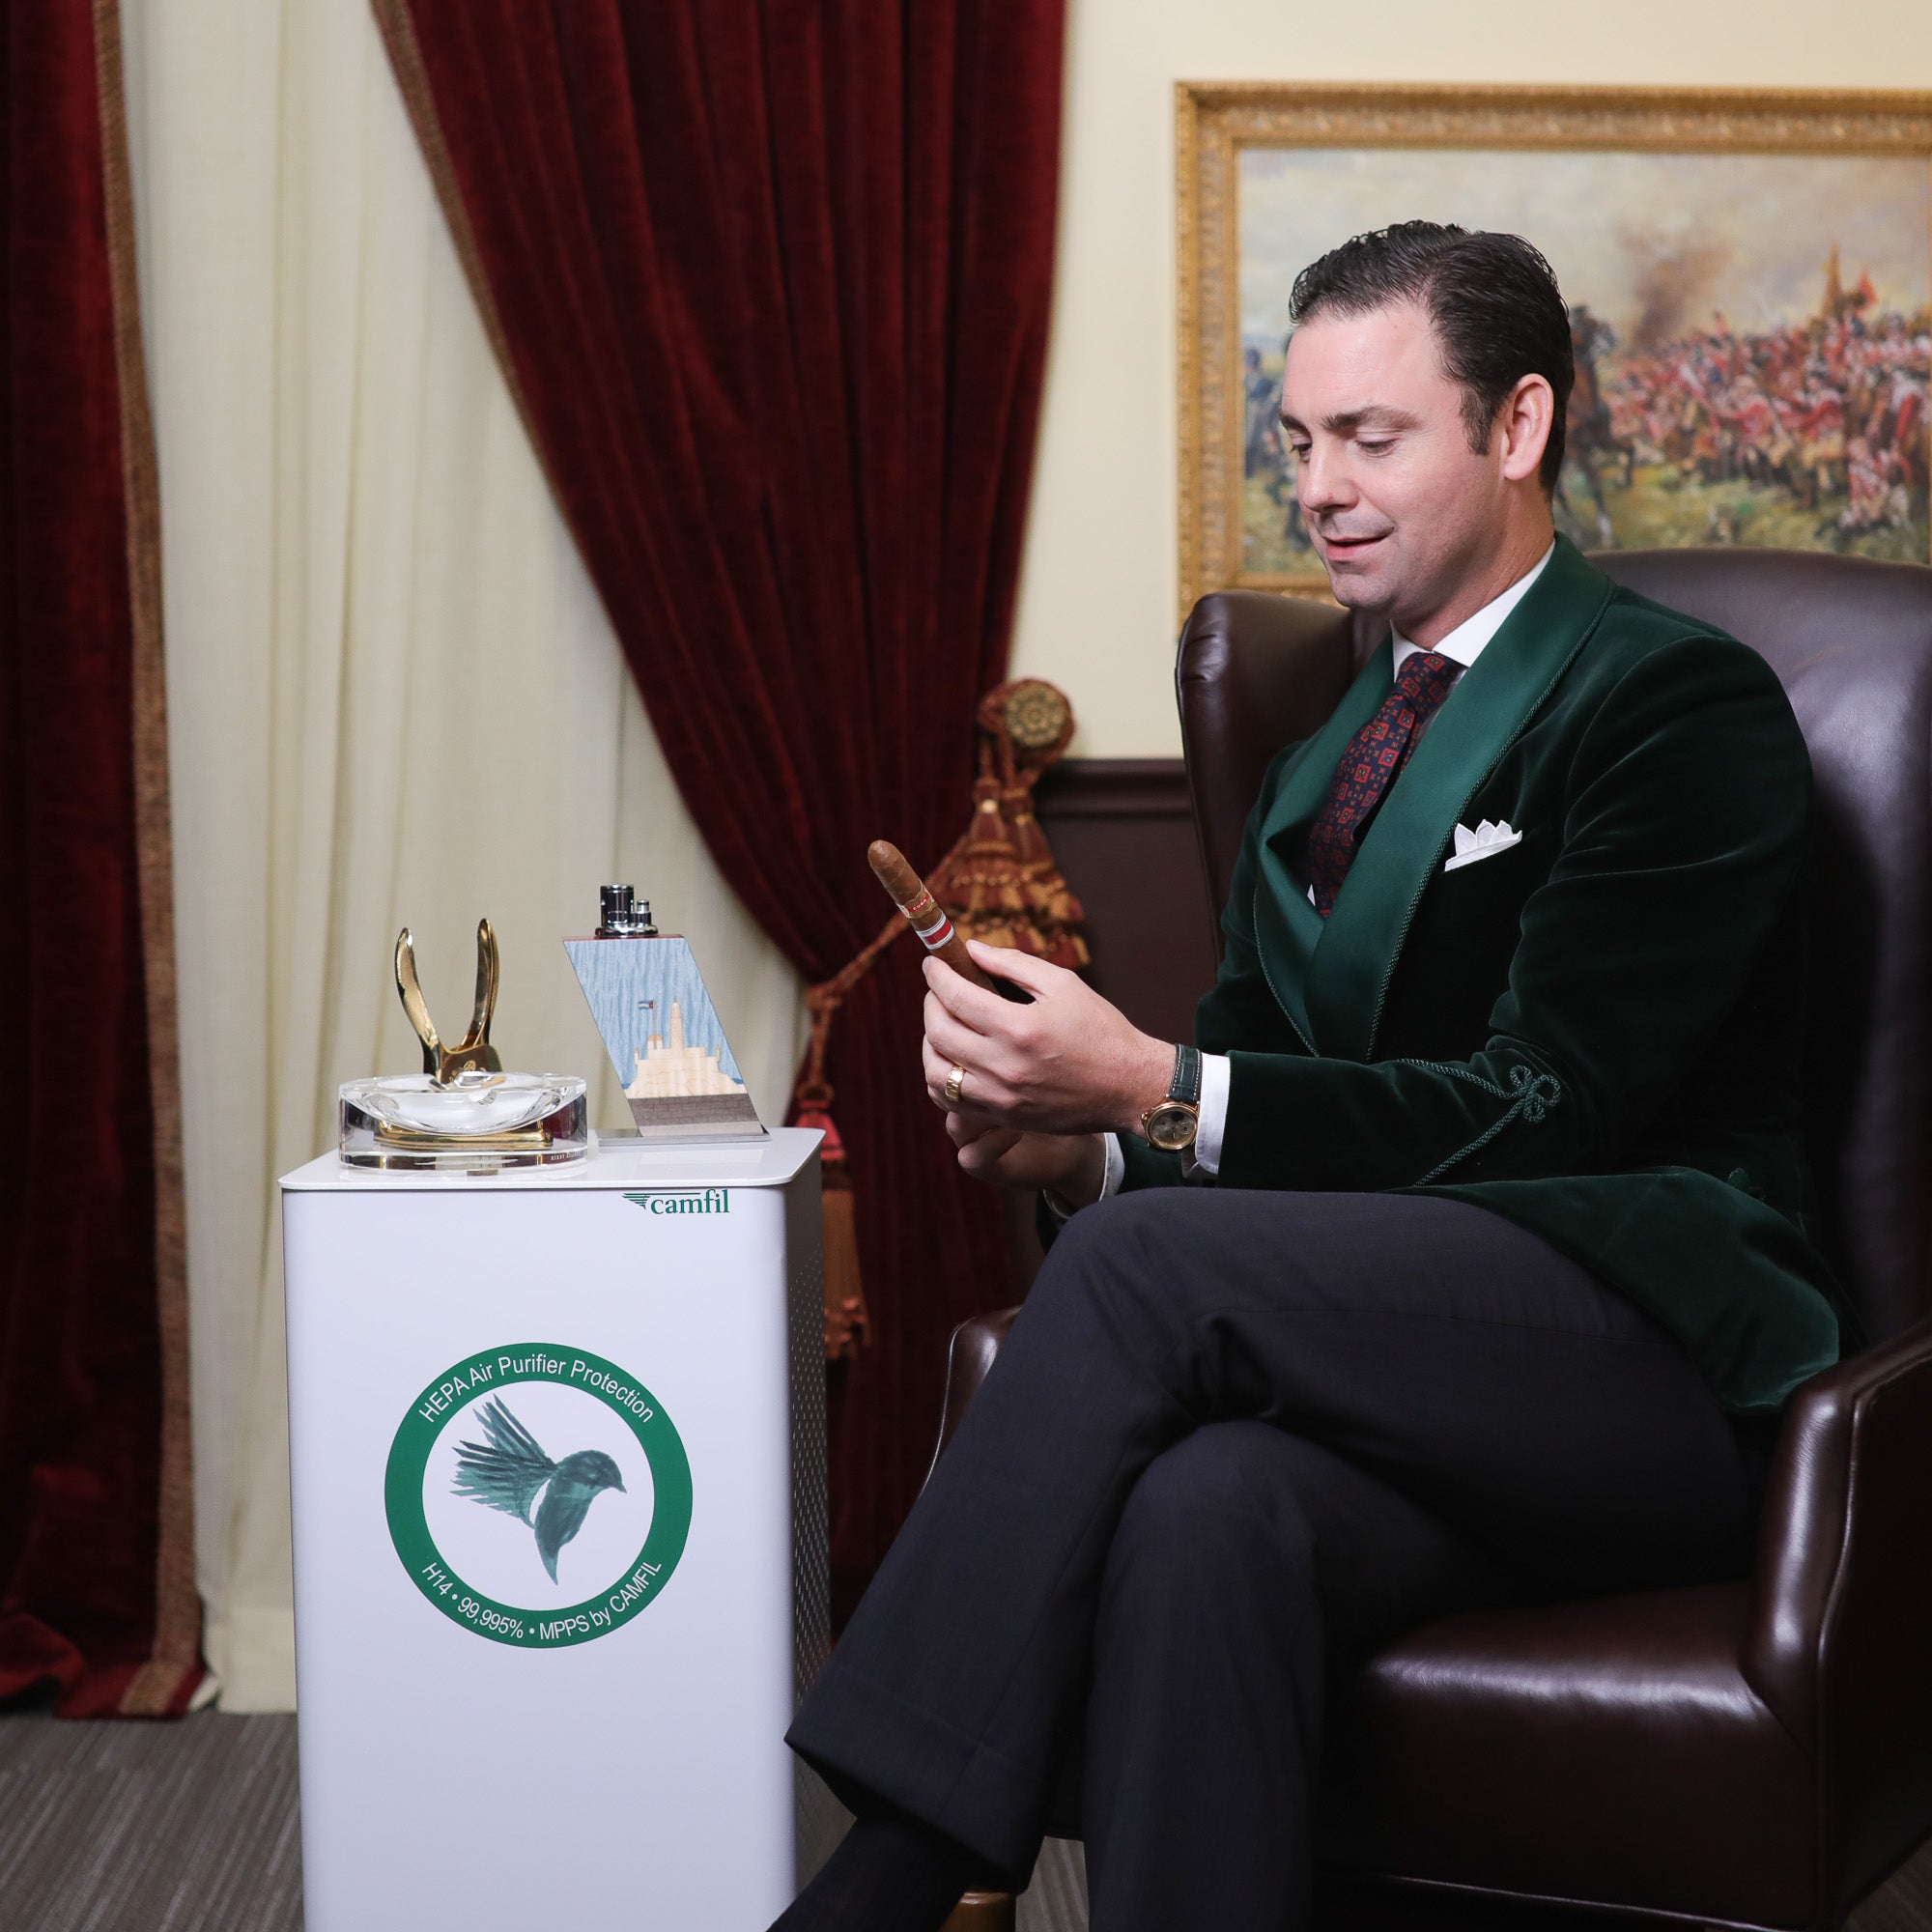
1372 764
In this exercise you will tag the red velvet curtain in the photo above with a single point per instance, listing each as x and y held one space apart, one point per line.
96 1583
771 280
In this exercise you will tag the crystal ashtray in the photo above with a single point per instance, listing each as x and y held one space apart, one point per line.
480 1122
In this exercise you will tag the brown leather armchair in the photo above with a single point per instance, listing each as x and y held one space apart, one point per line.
1752 1754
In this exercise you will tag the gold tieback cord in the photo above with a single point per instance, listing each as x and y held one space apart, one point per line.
999 883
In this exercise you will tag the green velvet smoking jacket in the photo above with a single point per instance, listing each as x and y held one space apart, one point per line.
1595 1032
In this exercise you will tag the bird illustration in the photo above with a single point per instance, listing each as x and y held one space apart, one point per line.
508 1474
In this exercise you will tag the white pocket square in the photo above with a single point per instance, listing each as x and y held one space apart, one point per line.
1484 843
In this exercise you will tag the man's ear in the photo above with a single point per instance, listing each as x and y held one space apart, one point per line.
1526 417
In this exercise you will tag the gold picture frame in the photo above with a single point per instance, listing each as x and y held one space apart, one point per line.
1218 124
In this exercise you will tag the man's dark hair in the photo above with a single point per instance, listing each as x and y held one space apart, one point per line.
1493 300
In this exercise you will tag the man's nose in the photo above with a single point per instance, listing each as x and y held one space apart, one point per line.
1321 480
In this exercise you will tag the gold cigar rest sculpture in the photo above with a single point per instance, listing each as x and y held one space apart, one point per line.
472 1053
462 1112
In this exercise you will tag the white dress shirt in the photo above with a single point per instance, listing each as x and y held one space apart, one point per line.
1464 646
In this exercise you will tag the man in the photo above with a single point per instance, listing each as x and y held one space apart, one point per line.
1507 1240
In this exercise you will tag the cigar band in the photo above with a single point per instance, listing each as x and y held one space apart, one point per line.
935 934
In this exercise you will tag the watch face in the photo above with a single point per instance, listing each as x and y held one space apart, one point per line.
1171 1128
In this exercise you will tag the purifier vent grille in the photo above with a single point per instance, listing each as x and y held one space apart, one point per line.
821 1820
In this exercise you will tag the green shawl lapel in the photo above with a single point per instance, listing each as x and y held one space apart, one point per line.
1330 976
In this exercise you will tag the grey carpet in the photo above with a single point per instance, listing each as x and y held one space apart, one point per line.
186 1826
191 1828
1055 1901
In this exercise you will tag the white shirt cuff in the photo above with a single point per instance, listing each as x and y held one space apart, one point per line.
1114 1173
1117 1168
1204 1155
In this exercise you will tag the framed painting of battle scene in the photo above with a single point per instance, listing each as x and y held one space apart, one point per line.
1749 277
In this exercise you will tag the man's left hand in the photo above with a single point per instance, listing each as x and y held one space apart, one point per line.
1068 1063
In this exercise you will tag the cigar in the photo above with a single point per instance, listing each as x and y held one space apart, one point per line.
927 917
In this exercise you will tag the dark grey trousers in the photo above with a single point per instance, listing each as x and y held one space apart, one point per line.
1236 1441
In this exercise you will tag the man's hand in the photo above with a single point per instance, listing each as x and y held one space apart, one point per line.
1068 1063
1072 1166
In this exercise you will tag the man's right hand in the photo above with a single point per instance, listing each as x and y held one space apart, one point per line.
1072 1166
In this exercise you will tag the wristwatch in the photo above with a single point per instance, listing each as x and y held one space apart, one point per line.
1173 1124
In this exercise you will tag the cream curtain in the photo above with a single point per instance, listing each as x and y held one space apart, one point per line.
394 698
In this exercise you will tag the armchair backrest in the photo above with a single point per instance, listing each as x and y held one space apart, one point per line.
1852 643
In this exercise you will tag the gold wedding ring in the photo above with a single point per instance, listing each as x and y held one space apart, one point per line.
954 1081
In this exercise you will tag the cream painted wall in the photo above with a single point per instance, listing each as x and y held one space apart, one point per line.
1098 583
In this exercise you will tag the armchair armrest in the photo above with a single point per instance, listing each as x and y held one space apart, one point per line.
969 1356
1838 1644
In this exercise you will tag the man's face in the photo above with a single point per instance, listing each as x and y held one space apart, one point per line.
1401 509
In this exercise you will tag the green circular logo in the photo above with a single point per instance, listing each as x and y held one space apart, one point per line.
506 1507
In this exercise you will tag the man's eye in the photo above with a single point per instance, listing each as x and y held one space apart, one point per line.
1376 446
